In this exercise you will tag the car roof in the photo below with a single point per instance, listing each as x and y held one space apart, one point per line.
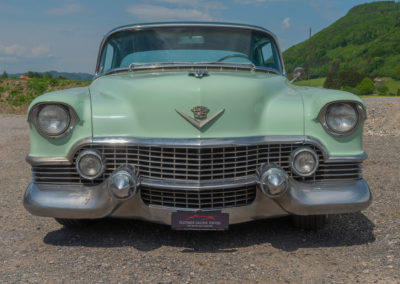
175 24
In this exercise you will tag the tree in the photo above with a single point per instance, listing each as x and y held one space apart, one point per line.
350 78
5 75
47 75
31 74
332 81
366 87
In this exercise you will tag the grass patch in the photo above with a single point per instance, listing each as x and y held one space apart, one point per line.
19 93
319 82
393 85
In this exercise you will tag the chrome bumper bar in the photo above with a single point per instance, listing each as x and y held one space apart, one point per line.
82 202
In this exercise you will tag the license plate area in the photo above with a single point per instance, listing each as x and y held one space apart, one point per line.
183 220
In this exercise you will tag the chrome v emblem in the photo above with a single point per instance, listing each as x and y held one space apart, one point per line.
200 124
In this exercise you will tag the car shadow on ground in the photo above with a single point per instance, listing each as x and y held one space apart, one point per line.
342 230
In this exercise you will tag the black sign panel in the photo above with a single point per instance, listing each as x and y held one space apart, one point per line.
200 221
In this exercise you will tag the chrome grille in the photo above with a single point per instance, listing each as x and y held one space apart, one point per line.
196 164
200 199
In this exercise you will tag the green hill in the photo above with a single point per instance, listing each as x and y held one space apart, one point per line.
366 40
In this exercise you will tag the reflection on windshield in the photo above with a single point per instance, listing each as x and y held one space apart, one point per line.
189 45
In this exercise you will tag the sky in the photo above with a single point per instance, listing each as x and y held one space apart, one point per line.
43 35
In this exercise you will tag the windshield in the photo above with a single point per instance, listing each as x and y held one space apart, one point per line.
189 45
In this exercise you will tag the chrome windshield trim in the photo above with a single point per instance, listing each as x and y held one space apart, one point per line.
191 67
189 24
195 142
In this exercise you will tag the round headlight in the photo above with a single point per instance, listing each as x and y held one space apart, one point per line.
53 119
341 117
304 161
89 164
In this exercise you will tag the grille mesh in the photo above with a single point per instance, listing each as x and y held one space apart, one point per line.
196 164
202 199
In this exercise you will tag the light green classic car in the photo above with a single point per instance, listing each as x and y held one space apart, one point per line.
195 125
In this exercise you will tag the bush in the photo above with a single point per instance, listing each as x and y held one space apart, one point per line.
366 87
383 90
350 90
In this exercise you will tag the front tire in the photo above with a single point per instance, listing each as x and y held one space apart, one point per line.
74 223
311 222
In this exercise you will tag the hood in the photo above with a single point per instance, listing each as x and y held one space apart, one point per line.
144 105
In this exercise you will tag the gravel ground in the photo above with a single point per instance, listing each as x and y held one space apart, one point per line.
361 247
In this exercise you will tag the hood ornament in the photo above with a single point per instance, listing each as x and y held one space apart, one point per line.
198 73
200 116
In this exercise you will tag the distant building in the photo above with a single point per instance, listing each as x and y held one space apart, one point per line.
24 77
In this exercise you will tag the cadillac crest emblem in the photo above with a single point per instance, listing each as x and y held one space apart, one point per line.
200 116
200 112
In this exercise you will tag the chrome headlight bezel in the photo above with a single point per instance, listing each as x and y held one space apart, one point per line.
97 155
358 108
298 151
33 117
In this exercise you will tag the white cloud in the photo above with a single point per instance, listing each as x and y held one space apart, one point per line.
9 59
40 50
196 4
9 52
68 9
286 23
160 13
248 2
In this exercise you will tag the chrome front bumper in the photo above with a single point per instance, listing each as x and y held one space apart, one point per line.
82 202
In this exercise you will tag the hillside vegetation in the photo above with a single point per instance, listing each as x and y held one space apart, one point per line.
366 40
16 94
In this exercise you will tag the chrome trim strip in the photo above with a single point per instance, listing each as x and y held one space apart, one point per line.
347 159
188 24
178 184
195 142
39 161
201 142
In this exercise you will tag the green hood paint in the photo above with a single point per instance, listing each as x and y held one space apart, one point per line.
143 105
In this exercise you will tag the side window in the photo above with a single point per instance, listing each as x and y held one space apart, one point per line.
268 56
108 56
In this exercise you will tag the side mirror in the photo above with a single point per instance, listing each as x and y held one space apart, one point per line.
298 74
